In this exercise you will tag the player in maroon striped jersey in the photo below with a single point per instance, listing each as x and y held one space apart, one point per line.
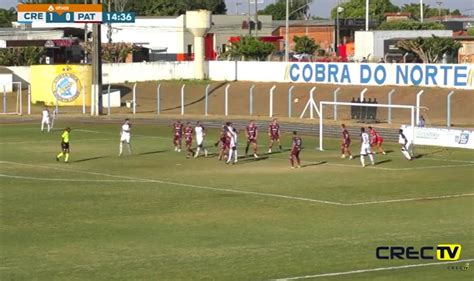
346 142
296 144
251 131
225 142
177 135
274 134
188 139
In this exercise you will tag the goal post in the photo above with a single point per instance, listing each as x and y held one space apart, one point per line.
323 103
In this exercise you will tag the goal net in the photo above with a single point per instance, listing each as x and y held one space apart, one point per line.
10 96
385 118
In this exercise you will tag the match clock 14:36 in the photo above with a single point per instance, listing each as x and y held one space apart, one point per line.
118 17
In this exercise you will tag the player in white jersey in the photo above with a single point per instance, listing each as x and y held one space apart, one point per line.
232 134
365 147
406 145
125 137
45 119
200 134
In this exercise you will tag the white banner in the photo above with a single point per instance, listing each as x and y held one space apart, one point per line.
439 137
377 74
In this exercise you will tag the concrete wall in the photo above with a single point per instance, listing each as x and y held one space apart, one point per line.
6 82
20 73
372 42
146 71
429 75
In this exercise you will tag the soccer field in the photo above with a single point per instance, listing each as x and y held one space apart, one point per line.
156 215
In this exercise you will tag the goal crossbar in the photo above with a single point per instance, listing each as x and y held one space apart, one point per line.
322 103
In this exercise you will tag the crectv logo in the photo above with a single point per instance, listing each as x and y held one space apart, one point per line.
443 252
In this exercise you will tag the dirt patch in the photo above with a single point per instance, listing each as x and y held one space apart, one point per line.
435 99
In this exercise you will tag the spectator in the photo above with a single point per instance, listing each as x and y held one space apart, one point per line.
421 121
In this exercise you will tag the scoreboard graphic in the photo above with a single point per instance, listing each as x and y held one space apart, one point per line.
70 13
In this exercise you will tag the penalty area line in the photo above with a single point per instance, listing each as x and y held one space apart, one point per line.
371 270
143 180
67 180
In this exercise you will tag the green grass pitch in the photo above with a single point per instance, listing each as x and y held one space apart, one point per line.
156 215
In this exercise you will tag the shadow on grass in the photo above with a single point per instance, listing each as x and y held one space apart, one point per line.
314 164
90 159
152 152
252 159
383 161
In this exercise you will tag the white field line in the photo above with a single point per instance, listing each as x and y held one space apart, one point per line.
66 180
41 141
372 270
400 169
143 180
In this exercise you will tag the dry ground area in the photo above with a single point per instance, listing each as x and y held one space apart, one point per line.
433 98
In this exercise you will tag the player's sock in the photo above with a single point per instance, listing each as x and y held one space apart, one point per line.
247 148
279 147
66 159
229 156
120 148
371 156
60 155
197 151
205 152
235 156
292 162
362 160
49 128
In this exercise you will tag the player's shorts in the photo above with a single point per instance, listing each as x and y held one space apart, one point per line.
176 138
199 141
225 145
346 144
379 140
295 152
64 145
189 141
365 149
45 121
274 136
125 138
251 140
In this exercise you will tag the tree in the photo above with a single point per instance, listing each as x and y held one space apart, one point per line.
414 10
7 16
175 7
356 9
20 56
249 48
112 52
298 10
410 25
430 50
305 45
470 31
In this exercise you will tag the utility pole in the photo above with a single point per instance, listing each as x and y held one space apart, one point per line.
287 24
248 20
256 18
421 10
109 25
367 15
96 69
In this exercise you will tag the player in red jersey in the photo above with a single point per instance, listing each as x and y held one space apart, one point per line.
274 134
296 144
376 140
251 131
188 139
177 135
346 142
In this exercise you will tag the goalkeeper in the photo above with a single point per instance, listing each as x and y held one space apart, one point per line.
64 145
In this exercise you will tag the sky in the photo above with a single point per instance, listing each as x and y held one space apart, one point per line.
320 8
